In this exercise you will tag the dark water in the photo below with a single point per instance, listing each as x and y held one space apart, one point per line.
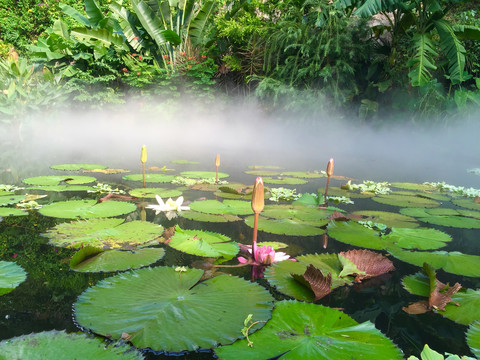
44 301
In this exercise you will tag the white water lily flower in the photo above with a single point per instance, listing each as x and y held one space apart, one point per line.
170 207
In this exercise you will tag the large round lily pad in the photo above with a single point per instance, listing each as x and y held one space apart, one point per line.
467 203
203 243
151 192
405 201
313 215
473 338
230 207
412 186
168 310
452 262
78 167
203 174
304 174
312 332
150 178
10 199
106 233
11 275
352 233
280 274
286 226
284 180
56 180
60 345
464 307
87 209
198 216
421 239
6 211
60 188
91 259
390 219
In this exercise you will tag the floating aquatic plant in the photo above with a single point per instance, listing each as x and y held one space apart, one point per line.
60 345
473 338
203 174
10 199
283 194
57 180
169 207
368 263
229 207
457 190
284 180
185 181
152 192
92 259
11 275
203 243
312 332
104 233
4 188
102 188
445 217
409 200
166 310
378 188
150 178
340 200
5 211
390 219
86 209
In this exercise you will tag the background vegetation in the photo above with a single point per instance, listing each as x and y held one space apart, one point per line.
415 59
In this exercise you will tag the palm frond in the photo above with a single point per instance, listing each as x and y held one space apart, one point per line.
199 24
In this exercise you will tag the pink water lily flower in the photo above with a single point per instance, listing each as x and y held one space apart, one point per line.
264 255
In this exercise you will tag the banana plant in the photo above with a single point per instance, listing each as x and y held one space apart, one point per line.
425 24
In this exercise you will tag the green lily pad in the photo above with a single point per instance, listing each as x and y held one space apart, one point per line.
86 209
60 345
11 275
412 186
56 180
150 178
151 192
262 172
466 312
312 332
467 203
280 274
184 162
284 180
427 195
314 216
352 233
78 167
198 216
388 218
230 207
259 167
274 244
106 233
304 174
203 174
473 338
90 259
336 191
285 226
6 211
452 262
445 217
405 201
60 188
421 239
203 243
167 310
429 354
10 199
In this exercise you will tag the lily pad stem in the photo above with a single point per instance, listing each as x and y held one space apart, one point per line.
245 331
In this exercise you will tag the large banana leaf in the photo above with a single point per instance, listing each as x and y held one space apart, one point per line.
453 49
470 32
199 23
154 25
372 7
129 24
93 12
105 36
422 62
70 11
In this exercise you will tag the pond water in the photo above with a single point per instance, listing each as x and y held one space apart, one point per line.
44 300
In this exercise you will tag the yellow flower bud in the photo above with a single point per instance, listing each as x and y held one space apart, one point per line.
143 156
258 201
217 160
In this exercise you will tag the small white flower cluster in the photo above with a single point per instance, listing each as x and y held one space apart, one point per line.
340 199
106 188
458 190
179 180
9 188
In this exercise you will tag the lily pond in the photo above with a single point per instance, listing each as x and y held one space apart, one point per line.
100 262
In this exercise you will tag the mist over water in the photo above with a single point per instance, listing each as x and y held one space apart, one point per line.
244 135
